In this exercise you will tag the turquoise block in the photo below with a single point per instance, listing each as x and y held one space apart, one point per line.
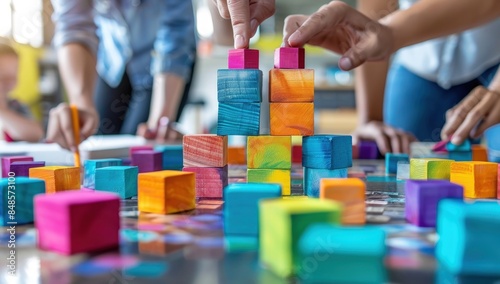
468 236
172 156
391 162
16 196
312 178
238 119
464 147
333 254
241 243
90 167
327 152
460 156
117 179
239 86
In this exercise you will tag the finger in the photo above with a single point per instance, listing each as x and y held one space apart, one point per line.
292 23
395 140
259 12
89 126
223 10
54 132
66 126
239 12
309 28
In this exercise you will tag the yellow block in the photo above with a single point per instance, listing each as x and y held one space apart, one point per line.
350 192
430 168
282 177
479 179
58 178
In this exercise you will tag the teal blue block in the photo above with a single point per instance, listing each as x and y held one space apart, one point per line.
17 195
312 178
464 147
239 86
118 179
241 243
468 236
327 152
241 211
238 119
391 162
172 156
90 167
333 254
460 156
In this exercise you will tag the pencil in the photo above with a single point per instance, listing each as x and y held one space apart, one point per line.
76 132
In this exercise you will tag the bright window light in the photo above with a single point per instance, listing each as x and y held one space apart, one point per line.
204 22
5 18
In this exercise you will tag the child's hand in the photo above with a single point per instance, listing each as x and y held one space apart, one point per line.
389 139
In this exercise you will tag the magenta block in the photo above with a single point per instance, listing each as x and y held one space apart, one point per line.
148 161
7 161
289 58
243 59
423 196
140 148
368 150
210 182
22 169
77 221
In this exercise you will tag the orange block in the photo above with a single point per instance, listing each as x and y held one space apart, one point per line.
479 153
236 156
291 85
479 179
292 119
58 178
351 193
166 192
205 150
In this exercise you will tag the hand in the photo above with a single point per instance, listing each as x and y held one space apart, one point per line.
165 132
472 116
389 139
246 16
60 127
341 29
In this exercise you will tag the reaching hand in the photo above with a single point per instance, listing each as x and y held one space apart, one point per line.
166 132
389 139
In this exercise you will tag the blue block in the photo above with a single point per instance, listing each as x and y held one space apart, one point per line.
239 86
19 199
90 167
468 236
391 162
172 156
312 178
342 255
464 147
117 179
460 156
241 212
239 119
327 152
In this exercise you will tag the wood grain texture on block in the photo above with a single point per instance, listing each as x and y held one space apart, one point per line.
291 86
289 58
297 154
7 161
140 148
281 177
288 119
430 168
238 119
22 169
172 156
121 180
58 178
466 146
479 153
166 192
237 156
90 167
269 152
205 150
243 59
391 161
327 151
23 190
77 221
210 182
312 178
239 86
148 161
479 179
368 150
282 223
350 192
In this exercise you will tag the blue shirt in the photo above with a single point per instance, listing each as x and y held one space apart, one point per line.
140 37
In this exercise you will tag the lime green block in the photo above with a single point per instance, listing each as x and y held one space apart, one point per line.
282 223
282 177
430 168
269 152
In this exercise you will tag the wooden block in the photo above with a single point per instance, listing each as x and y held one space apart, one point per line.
121 180
210 182
90 167
126 161
312 178
239 86
288 119
368 150
237 156
148 161
291 86
166 192
479 153
460 156
498 182
243 59
466 146
282 224
241 210
423 196
430 168
403 171
16 197
238 119
281 177
172 156
350 192
77 221
297 154
205 150
391 162
348 255
22 169
479 179
7 161
140 148
327 152
289 58
58 178
269 152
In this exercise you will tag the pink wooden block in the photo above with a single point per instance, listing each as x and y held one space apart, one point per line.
140 148
243 59
289 58
148 161
77 221
210 182
204 150
7 161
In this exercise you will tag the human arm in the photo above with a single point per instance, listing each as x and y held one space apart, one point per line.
18 126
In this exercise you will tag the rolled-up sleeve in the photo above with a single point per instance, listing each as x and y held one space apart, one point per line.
74 23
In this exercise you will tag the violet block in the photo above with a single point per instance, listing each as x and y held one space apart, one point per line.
243 59
368 150
148 161
7 161
22 169
289 58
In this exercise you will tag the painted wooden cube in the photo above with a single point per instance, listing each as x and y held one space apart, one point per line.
148 161
166 192
423 196
58 178
237 156
312 178
239 86
7 161
282 224
238 119
289 58
466 146
479 153
281 177
403 171
460 156
391 162
291 86
297 154
368 150
126 161
210 182
140 148
205 150
243 59
269 152
172 156
350 192
288 119
74 222
121 180
479 179
327 152
430 168
241 206
90 167
16 199
22 169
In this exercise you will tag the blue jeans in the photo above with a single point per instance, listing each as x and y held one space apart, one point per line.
419 106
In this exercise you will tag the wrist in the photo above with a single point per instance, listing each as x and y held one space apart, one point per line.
83 101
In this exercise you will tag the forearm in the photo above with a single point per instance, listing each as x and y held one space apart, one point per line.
495 83
167 93
20 128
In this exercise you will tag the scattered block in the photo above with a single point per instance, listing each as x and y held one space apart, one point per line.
77 221
238 119
479 153
368 150
166 192
90 167
58 178
281 225
498 182
391 162
327 152
423 196
403 171
281 177
312 178
22 169
297 154
243 59
172 156
350 192
126 162
148 161
464 147
460 156
289 58
291 86
205 150
210 182
269 152
237 156
140 148
292 119
430 168
16 196
7 161
239 86
479 179
121 180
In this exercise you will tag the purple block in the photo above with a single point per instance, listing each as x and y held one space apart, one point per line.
7 161
423 196
289 58
126 161
148 161
22 169
243 59
368 150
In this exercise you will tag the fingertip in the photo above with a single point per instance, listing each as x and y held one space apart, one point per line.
456 140
239 42
345 63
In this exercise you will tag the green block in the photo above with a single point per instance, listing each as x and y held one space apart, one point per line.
430 168
281 177
269 152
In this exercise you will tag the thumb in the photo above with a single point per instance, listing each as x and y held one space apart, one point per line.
240 19
352 58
